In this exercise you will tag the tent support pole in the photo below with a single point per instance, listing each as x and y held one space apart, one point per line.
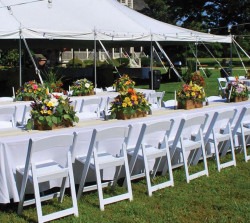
151 62
170 62
20 61
95 59
33 61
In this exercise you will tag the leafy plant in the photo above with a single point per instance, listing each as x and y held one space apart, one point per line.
52 110
129 103
123 83
52 81
82 87
31 90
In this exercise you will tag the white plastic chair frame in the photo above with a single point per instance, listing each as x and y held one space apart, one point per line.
26 115
193 144
43 171
220 138
8 115
242 130
222 82
99 160
95 103
156 150
155 99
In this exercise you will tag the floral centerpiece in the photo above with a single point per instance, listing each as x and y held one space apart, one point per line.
130 104
31 90
190 96
53 82
236 91
82 87
50 112
123 83
197 78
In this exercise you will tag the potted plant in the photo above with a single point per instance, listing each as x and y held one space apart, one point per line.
82 87
236 91
31 90
53 82
123 83
130 104
51 112
190 96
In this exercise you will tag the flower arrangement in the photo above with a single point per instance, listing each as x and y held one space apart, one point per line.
191 92
51 111
123 83
53 82
82 87
31 90
197 78
130 104
236 89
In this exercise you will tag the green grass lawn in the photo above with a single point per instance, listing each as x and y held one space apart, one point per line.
221 197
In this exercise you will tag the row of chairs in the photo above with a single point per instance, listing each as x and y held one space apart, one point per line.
111 147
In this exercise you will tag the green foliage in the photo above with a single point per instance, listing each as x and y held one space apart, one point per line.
9 58
75 63
145 61
122 62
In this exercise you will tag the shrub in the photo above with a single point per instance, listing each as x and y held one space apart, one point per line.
75 63
145 62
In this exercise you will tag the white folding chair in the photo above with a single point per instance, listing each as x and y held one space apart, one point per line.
107 150
8 117
108 105
169 103
231 78
38 169
155 99
221 135
26 115
222 82
152 145
190 142
98 90
6 99
242 129
90 108
111 88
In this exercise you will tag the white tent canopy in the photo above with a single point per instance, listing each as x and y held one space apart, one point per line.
83 19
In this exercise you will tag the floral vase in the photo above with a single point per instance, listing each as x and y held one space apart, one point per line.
198 104
188 104
44 127
27 98
236 99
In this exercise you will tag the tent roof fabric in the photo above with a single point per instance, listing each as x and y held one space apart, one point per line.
106 20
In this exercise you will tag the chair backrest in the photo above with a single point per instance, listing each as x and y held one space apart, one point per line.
231 78
224 120
58 145
91 105
244 118
26 114
110 140
154 133
155 99
215 99
8 117
169 103
111 88
98 90
242 78
8 99
222 81
193 126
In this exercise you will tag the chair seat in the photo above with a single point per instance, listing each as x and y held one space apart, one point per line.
151 152
105 160
191 145
221 137
46 170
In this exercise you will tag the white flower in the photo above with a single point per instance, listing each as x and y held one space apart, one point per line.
54 102
87 85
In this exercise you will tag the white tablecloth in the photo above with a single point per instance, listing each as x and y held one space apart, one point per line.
14 142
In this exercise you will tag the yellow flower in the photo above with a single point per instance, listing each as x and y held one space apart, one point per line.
49 112
193 93
124 104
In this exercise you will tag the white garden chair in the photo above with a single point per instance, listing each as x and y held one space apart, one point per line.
8 117
38 169
107 150
90 108
152 144
190 142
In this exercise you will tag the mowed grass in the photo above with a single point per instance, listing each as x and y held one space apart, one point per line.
221 197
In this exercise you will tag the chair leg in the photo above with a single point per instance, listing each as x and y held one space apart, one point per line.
99 187
62 190
217 156
185 164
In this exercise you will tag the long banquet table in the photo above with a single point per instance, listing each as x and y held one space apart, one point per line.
14 142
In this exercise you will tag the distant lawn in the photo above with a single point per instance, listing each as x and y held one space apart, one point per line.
211 87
